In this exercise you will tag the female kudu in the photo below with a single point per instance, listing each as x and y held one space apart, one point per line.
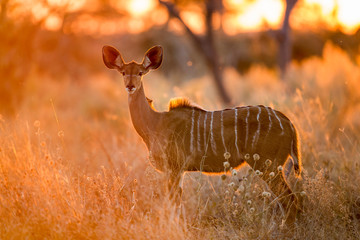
188 138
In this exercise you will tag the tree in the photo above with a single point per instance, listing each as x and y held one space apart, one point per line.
284 39
205 44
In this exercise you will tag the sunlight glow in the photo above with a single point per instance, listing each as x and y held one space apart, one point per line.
140 7
336 14
53 22
239 15
327 6
70 5
194 20
348 15
261 12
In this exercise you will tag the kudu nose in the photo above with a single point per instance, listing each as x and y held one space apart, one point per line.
130 88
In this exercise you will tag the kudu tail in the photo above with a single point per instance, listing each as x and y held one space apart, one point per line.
295 153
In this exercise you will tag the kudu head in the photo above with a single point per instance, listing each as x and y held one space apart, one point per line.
132 71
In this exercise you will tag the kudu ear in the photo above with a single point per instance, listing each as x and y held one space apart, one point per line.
153 58
112 58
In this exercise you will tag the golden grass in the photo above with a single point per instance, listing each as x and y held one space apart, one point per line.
72 166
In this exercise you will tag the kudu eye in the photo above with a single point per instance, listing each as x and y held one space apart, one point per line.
140 74
123 73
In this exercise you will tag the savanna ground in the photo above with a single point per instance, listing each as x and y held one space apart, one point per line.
73 167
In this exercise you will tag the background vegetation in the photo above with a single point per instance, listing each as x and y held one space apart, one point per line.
72 166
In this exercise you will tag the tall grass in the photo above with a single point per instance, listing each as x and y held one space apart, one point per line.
72 166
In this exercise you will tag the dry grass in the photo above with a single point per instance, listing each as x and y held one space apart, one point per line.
71 165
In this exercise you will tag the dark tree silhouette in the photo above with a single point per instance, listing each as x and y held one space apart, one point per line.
205 44
283 38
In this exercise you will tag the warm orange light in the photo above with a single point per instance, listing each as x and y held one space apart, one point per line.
348 15
230 25
139 7
326 6
262 11
70 5
240 15
194 20
53 22
334 13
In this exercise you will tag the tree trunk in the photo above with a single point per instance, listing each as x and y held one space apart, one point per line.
284 38
205 45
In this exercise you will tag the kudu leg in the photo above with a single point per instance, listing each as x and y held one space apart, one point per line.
175 189
278 184
285 196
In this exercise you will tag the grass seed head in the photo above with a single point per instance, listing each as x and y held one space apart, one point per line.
268 162
226 164
266 194
227 155
256 157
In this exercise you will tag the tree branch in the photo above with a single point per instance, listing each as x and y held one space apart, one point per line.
290 4
284 38
205 44
175 13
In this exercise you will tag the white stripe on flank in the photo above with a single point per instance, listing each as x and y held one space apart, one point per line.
205 143
270 122
192 131
222 130
256 135
198 133
236 133
282 129
247 126
213 144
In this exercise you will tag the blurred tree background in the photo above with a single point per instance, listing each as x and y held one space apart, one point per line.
62 39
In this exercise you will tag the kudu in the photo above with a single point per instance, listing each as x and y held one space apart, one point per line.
188 138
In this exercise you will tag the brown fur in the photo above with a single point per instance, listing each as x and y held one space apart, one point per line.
151 103
188 138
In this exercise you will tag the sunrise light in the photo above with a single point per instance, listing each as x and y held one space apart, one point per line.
258 14
240 15
70 5
326 6
334 13
348 15
140 7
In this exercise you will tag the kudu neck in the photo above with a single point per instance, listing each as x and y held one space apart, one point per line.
144 118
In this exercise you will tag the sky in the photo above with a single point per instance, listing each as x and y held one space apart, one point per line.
240 15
